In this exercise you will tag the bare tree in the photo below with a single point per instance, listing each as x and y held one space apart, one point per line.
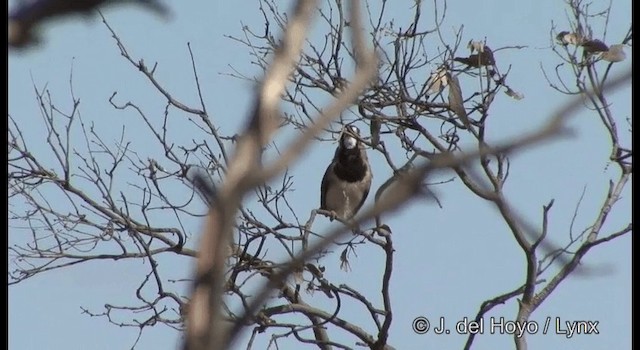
372 72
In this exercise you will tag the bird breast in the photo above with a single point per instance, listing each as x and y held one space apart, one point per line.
344 197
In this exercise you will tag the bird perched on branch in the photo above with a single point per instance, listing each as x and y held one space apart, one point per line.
347 180
484 57
615 53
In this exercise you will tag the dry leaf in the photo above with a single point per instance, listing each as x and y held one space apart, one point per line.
456 101
512 93
344 260
374 128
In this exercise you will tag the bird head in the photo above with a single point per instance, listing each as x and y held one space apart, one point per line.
350 138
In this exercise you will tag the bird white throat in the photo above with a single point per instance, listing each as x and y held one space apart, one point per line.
349 142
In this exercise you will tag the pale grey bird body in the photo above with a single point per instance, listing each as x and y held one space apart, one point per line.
347 180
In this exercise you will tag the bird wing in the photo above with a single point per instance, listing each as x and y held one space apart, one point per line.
327 179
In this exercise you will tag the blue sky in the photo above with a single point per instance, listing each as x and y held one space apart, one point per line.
444 266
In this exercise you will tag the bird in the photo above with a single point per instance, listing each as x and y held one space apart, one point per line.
31 14
347 180
484 57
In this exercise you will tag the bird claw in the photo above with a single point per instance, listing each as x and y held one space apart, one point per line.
328 213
